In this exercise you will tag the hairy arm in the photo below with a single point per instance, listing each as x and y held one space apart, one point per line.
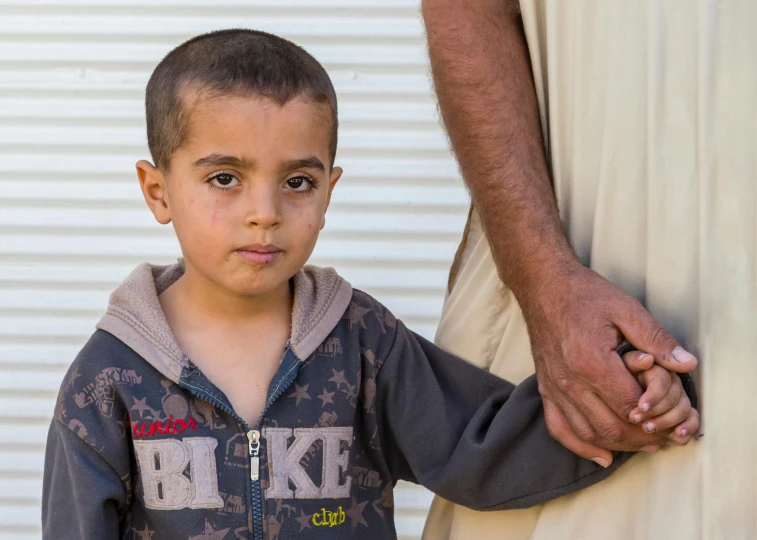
483 82
484 85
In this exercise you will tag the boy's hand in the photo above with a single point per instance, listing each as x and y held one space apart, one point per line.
664 407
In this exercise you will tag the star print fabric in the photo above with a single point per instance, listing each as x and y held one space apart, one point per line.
136 451
105 413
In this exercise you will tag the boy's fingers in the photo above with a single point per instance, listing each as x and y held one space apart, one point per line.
658 381
672 398
561 431
686 429
638 361
669 419
610 431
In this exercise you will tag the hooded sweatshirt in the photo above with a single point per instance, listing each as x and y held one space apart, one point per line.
142 444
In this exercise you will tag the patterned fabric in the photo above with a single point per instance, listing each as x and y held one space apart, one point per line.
192 456
134 454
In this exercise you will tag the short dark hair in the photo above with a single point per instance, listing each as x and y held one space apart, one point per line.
230 62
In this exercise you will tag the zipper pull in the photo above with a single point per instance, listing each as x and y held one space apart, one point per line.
253 437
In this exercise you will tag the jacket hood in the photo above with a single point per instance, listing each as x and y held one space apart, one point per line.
135 316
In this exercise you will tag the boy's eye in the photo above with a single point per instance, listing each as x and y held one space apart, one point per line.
224 180
299 183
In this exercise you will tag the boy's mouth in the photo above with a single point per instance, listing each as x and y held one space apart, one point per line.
260 253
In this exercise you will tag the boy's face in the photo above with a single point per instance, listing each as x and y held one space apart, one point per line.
247 191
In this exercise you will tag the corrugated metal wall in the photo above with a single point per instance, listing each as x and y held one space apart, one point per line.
72 219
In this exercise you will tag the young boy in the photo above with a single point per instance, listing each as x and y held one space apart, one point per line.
242 394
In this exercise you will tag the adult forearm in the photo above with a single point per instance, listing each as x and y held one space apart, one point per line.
575 318
483 81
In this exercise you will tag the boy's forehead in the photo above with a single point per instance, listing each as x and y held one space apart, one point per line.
208 108
220 124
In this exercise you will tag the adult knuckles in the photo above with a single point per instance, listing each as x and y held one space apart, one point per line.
556 426
544 387
564 383
628 305
613 432
556 429
555 377
563 433
586 435
625 405
545 383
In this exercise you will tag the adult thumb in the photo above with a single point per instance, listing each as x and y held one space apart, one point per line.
645 333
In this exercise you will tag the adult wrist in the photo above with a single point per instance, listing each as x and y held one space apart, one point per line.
543 278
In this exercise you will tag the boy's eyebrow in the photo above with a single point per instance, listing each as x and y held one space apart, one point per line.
310 162
219 160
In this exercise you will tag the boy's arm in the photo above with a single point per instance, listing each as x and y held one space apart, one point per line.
86 486
81 492
469 436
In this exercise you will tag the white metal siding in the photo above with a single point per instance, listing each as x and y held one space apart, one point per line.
73 222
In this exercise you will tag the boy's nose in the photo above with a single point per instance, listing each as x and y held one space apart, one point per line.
264 210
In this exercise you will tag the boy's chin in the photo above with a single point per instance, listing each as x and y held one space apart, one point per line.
261 281
249 280
262 289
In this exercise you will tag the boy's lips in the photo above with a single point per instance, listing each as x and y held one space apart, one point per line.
260 253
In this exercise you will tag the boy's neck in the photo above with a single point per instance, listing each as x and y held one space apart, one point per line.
206 300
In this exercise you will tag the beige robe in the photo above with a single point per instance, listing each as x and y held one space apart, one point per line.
649 111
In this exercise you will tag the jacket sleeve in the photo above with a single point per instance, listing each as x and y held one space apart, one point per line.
469 436
81 493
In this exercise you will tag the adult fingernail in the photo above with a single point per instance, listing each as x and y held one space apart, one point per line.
649 427
636 418
683 433
682 355
645 407
646 357
651 449
601 462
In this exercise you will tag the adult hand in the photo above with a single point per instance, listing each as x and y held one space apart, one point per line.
483 80
575 323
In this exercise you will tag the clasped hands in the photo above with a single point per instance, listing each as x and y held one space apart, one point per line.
596 402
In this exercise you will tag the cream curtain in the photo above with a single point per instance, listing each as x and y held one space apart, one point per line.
649 111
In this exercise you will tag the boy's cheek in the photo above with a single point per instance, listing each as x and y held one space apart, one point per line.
202 213
199 237
308 236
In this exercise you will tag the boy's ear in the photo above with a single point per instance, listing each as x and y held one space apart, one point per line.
154 188
336 174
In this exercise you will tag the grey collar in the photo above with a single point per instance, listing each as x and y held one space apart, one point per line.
135 316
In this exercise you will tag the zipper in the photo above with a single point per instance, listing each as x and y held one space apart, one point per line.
252 434
253 438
